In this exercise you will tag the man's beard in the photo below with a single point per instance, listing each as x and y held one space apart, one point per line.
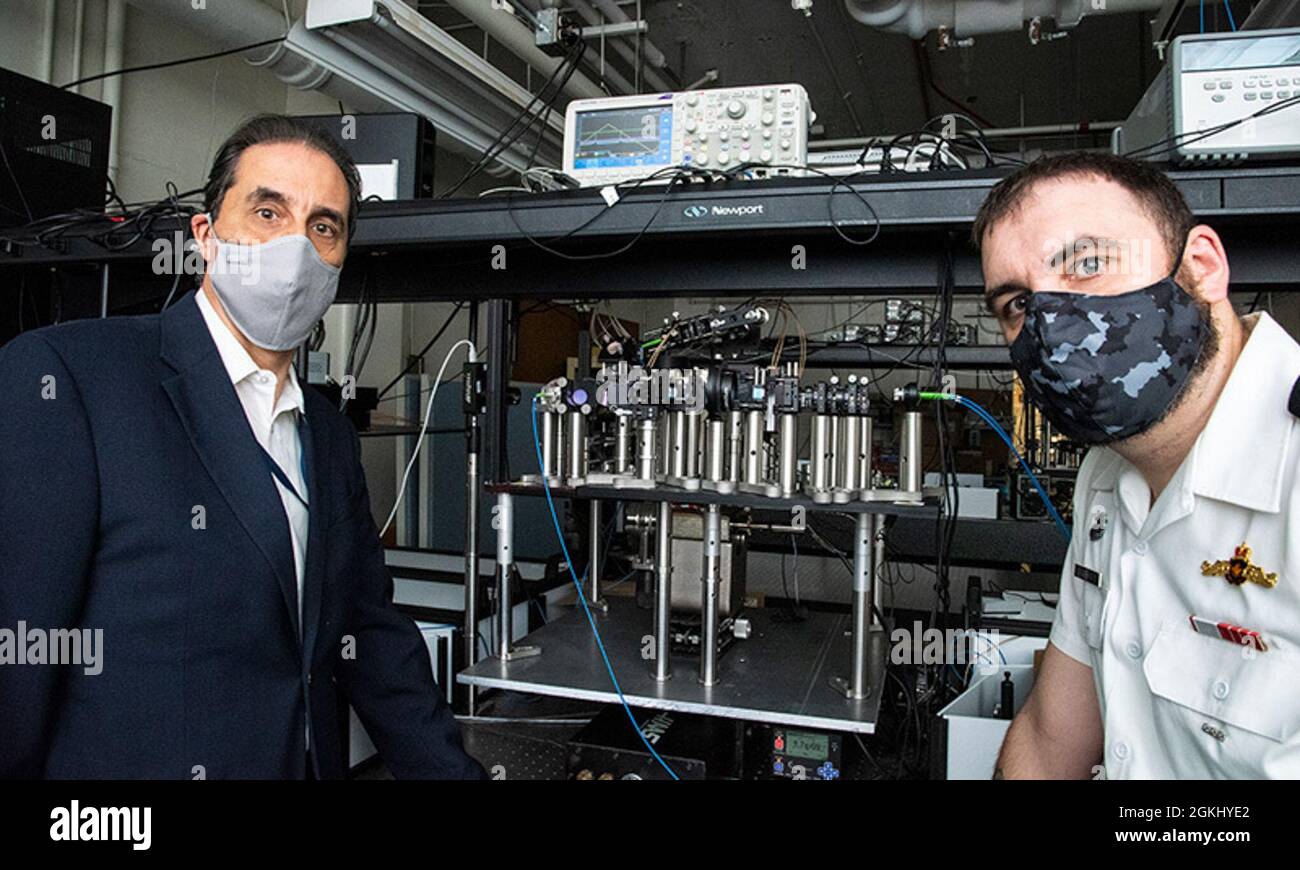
1209 350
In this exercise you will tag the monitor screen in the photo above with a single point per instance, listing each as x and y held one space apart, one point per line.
1225 54
804 745
617 138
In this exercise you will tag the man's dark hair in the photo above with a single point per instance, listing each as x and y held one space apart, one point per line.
1158 196
266 129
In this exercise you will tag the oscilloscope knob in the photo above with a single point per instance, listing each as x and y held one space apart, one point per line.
736 109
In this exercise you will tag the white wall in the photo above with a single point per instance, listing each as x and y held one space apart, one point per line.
170 123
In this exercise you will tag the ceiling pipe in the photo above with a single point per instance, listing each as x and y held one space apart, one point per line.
515 36
308 61
114 37
622 48
607 73
78 32
47 41
613 12
916 18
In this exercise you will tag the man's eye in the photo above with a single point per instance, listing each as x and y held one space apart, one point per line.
266 214
1016 305
1088 267
326 229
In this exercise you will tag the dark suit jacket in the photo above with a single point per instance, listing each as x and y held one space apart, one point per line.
136 500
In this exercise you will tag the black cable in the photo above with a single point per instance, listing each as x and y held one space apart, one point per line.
791 611
946 520
367 314
415 360
18 187
172 195
112 232
171 63
837 181
112 196
176 282
541 134
566 69
677 174
1178 141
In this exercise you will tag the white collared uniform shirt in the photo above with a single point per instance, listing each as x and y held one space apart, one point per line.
1176 703
274 425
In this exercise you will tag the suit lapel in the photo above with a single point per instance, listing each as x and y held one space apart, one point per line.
316 453
214 419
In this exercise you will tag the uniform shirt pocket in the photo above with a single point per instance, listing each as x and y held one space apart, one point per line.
1236 685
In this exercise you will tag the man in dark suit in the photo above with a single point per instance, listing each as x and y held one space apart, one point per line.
165 480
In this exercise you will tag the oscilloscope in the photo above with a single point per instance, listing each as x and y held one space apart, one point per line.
613 139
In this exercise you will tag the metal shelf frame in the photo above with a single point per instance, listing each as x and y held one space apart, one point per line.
737 239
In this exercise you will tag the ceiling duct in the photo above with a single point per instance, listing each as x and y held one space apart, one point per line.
964 18
383 55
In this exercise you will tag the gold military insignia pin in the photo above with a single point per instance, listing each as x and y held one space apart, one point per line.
1238 569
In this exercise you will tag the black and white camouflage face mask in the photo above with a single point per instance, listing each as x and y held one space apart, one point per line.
1104 368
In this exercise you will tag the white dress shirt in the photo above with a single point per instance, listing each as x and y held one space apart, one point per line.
1176 703
274 424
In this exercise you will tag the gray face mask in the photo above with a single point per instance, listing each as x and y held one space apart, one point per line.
274 292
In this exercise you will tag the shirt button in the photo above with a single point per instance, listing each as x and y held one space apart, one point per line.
1120 750
1140 548
1134 649
1221 689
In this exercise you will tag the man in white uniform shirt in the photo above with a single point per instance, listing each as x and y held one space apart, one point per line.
1175 652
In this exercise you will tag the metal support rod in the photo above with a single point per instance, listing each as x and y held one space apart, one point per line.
593 556
877 565
472 445
833 453
504 523
716 453
498 341
850 456
577 464
550 442
753 447
505 527
865 570
645 455
862 570
735 444
663 669
622 28
909 458
864 455
709 596
694 423
664 459
678 434
820 452
623 445
789 438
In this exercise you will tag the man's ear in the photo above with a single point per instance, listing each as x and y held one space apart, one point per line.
201 229
1204 270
